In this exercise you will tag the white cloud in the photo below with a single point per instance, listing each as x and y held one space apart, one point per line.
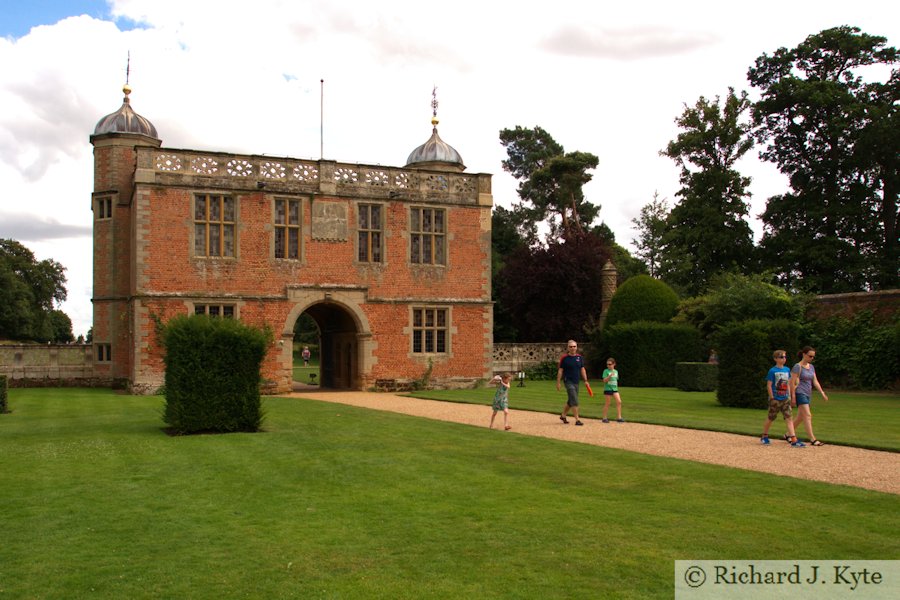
633 43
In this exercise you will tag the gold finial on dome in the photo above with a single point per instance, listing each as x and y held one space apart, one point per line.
126 89
434 105
435 153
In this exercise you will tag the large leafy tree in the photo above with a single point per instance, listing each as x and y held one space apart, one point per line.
836 137
707 231
651 228
551 292
29 290
550 182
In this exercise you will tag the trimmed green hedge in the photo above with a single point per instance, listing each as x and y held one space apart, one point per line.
545 371
213 374
696 376
4 395
856 352
646 352
745 357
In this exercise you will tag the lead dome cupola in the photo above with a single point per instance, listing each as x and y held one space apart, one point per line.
125 120
435 153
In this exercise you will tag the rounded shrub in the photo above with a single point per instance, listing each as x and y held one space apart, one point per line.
642 298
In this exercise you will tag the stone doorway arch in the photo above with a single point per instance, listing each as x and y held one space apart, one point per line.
345 347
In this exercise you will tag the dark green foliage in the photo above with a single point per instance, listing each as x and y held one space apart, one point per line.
213 374
856 353
836 135
4 395
745 356
735 297
651 227
550 182
306 331
696 376
642 298
505 240
707 231
29 290
546 371
61 326
646 352
626 265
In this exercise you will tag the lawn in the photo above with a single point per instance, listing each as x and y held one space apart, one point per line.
333 501
308 374
864 419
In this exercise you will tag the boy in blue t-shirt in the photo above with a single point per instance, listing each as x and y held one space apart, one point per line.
778 387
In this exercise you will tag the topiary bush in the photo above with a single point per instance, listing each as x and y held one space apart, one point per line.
745 356
642 298
646 353
696 376
213 374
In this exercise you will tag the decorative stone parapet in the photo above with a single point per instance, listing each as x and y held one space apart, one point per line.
290 175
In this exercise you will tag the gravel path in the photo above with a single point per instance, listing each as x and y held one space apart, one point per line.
869 469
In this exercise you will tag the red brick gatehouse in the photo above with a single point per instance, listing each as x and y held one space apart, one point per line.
393 263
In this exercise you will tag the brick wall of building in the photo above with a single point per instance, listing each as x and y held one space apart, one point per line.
146 271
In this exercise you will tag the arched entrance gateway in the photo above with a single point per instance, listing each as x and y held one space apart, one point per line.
338 346
343 333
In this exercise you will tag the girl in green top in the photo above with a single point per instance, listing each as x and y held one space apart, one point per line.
611 389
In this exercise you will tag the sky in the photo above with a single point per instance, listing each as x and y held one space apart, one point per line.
246 77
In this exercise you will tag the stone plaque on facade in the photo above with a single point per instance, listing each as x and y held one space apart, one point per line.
329 221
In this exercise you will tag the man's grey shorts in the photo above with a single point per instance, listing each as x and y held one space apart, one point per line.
572 393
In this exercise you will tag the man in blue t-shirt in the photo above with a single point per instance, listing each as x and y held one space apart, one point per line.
777 384
571 372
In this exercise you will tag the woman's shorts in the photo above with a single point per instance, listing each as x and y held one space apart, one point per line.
802 399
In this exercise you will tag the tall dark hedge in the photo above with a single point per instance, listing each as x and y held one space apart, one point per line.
213 374
646 352
745 357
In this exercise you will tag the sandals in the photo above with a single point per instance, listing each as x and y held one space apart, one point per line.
815 443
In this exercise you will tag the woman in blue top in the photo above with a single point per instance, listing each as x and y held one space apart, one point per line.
803 380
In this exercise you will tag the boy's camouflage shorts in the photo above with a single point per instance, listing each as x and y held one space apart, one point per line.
779 406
